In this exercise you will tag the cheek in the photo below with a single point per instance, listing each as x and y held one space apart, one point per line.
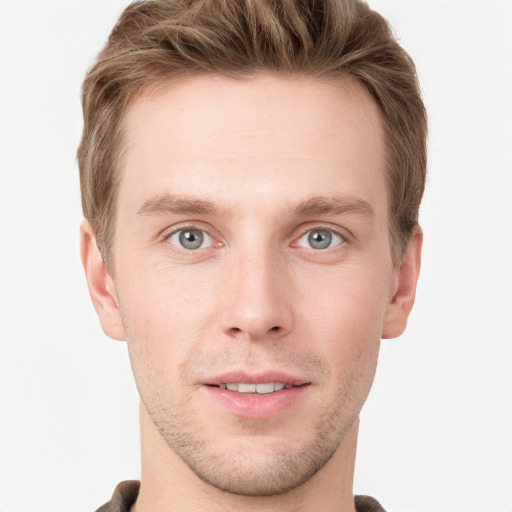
164 301
351 343
346 316
348 301
164 323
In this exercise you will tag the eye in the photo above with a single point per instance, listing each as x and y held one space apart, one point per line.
320 239
190 239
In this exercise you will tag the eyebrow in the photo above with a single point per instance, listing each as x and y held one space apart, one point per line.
175 205
167 204
334 206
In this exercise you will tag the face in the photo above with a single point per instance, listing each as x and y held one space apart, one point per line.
253 273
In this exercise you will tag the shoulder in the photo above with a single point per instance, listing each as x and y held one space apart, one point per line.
123 498
368 504
126 493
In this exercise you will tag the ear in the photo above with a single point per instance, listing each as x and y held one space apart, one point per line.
101 286
400 305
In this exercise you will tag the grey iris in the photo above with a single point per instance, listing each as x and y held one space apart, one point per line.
320 239
191 238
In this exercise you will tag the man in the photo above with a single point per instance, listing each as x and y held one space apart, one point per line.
251 174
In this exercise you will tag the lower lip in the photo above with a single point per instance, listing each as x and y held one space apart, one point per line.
256 406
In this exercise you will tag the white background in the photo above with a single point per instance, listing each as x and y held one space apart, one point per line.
436 433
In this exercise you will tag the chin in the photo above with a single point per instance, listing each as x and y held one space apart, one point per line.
260 464
268 474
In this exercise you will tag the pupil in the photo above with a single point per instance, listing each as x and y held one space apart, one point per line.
320 239
191 239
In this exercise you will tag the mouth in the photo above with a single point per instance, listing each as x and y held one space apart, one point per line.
253 396
262 388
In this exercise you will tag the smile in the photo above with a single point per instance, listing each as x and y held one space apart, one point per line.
258 399
262 388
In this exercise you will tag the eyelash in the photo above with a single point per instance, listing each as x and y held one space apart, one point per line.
166 237
343 239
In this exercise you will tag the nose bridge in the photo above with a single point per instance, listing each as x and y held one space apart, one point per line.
257 300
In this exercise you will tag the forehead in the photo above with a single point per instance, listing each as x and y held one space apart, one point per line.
273 137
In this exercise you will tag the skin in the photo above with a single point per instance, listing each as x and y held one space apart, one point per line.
287 158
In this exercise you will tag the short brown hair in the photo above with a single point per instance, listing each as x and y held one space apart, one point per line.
159 39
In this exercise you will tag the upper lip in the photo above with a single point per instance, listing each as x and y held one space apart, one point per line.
255 378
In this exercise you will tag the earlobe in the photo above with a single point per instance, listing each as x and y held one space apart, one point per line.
407 275
100 284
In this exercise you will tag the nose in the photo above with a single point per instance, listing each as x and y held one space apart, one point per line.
258 297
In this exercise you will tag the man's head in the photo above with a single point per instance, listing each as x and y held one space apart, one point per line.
254 269
160 41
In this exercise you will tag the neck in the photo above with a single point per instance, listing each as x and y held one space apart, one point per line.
167 483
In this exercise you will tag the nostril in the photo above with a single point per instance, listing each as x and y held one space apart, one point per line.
256 332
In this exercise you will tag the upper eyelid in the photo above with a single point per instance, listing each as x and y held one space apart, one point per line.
171 230
176 249
338 230
343 239
297 233
335 231
176 232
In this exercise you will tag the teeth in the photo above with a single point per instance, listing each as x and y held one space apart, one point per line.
267 387
246 388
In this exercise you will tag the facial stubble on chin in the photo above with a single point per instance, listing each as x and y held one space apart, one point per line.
265 469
